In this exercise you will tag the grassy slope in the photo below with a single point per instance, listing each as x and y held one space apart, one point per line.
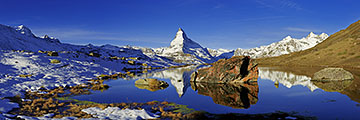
340 49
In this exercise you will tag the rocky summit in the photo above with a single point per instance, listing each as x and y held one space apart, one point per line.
238 69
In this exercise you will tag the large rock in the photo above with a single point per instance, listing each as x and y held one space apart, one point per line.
238 69
332 74
151 84
235 96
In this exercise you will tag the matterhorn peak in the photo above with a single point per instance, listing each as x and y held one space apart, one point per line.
180 38
24 30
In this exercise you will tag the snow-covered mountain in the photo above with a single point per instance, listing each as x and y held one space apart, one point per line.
285 46
221 53
21 38
183 49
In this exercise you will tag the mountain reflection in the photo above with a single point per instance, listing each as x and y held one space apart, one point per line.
235 96
287 79
179 77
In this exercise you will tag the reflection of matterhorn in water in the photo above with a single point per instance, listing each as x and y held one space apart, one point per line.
286 78
179 77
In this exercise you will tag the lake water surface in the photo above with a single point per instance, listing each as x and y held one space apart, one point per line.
294 93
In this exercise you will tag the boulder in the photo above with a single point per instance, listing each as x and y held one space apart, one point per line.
236 96
332 74
238 69
52 53
94 54
54 61
151 84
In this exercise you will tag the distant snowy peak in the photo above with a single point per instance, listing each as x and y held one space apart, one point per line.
219 52
24 30
285 46
181 40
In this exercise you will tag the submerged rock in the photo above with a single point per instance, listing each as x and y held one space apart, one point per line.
332 74
151 84
333 86
238 69
235 96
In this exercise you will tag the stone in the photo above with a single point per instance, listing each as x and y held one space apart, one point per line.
131 62
55 61
236 96
52 53
151 84
24 76
94 54
332 74
238 69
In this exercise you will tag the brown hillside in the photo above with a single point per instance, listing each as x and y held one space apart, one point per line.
340 49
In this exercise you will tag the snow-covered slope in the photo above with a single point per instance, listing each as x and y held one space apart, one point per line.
285 46
21 38
184 50
76 63
221 53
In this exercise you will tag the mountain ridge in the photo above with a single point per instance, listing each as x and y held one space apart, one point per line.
285 46
339 49
182 49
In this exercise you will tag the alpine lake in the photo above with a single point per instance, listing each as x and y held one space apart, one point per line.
277 89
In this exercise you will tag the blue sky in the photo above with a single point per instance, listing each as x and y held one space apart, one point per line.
153 23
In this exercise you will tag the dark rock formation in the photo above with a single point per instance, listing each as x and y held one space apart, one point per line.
235 96
332 74
238 69
151 84
52 53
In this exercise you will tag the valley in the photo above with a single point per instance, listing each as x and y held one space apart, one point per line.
221 81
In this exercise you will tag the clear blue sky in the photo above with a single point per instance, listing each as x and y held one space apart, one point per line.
153 23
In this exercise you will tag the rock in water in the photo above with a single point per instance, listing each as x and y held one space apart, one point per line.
151 84
238 69
333 86
332 74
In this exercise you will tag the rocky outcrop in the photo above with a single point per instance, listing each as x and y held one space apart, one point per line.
332 74
235 96
238 69
151 84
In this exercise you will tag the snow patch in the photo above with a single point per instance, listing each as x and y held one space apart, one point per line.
116 113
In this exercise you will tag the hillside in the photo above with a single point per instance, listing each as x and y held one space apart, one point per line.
340 49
